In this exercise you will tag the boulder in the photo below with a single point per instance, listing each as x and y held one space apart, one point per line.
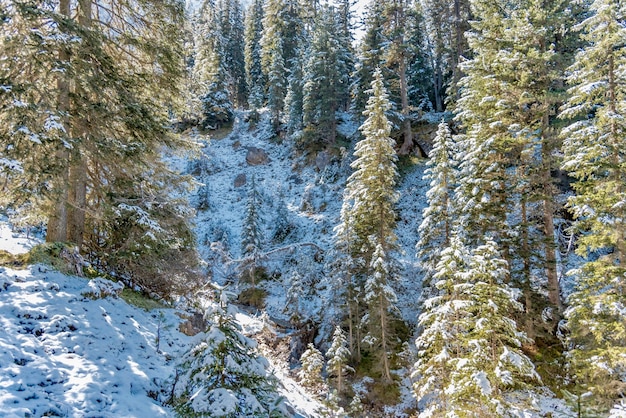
257 156
240 180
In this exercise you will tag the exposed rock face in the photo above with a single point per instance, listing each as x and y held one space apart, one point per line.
240 180
321 160
257 156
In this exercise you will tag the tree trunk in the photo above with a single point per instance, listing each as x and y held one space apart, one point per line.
78 168
57 221
554 294
77 204
404 96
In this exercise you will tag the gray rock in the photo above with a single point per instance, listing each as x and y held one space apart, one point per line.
257 156
240 180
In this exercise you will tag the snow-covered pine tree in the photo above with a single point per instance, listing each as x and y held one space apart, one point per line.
324 75
444 317
419 69
397 54
279 42
371 194
283 226
232 29
255 77
489 361
311 370
223 376
436 228
446 24
209 70
295 94
252 233
369 58
338 356
345 284
593 148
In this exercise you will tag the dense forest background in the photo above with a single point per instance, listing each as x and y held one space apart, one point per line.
518 105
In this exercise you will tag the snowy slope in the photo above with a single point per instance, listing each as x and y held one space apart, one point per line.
71 347
67 353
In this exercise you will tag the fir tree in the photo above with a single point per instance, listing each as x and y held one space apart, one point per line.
312 365
338 356
593 148
371 196
84 123
324 72
470 350
369 58
252 234
279 42
223 376
437 224
255 77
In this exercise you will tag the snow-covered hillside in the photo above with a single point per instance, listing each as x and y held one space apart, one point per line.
72 347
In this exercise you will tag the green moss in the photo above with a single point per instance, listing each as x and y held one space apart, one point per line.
140 300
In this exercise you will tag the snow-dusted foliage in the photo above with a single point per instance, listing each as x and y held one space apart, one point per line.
338 356
436 227
368 222
311 370
223 376
470 349
593 146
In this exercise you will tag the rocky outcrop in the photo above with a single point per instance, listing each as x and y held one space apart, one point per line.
257 156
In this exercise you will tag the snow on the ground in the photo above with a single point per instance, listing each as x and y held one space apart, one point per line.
63 352
13 242
70 347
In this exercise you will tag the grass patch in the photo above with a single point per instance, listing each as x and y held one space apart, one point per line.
407 163
253 297
13 260
140 300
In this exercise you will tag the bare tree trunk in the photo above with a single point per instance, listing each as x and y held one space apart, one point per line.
404 96
57 221
383 336
554 293
78 168
530 330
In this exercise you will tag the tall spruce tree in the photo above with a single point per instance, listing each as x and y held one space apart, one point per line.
510 90
593 147
279 43
436 228
470 349
371 194
324 78
255 77
85 102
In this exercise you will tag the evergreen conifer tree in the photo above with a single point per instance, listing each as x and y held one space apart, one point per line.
436 228
312 365
324 78
252 233
593 147
470 349
371 196
338 356
279 43
223 376
255 77
84 120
